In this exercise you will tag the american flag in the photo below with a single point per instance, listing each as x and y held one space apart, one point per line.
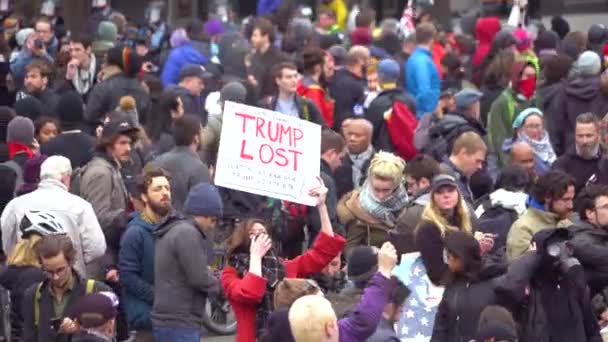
416 324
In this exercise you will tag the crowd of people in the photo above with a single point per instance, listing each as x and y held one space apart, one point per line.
481 149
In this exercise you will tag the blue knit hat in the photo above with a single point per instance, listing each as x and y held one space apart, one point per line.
524 115
204 200
388 70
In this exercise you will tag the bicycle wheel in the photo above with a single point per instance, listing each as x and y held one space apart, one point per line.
218 316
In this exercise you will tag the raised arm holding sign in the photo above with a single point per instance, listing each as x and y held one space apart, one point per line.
268 153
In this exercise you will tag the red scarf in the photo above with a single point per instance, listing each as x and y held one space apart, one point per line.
15 148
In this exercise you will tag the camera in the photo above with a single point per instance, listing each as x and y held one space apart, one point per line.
559 250
38 44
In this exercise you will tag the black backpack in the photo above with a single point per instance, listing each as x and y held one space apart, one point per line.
441 138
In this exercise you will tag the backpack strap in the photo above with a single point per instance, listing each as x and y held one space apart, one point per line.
306 110
37 296
90 286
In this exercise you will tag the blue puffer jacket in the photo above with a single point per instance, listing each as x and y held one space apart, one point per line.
136 266
180 56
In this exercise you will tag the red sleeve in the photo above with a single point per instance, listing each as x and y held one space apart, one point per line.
248 290
315 259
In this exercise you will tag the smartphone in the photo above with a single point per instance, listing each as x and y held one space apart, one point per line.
56 323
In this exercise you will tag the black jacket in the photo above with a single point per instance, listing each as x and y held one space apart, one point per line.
496 219
192 104
44 331
17 279
463 301
261 68
344 176
590 246
375 114
581 169
348 90
332 203
307 110
105 96
551 306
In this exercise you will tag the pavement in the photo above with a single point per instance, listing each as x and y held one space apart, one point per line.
580 22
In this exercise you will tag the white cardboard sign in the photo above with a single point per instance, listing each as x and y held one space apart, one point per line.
268 153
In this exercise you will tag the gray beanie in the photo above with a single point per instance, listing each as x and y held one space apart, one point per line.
233 91
588 64
20 130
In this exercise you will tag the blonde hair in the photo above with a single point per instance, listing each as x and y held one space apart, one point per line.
388 166
308 317
25 253
433 214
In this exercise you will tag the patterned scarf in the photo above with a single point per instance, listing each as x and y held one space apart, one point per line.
358 162
542 148
386 210
274 272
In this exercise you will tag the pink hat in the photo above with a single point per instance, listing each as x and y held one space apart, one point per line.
524 41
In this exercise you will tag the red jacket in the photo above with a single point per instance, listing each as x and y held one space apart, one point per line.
311 90
244 294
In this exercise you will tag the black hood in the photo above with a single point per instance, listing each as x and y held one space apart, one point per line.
584 88
587 228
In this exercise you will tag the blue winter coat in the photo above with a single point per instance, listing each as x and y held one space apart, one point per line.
180 56
422 80
136 267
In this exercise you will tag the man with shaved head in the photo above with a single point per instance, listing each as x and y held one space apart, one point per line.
523 155
358 135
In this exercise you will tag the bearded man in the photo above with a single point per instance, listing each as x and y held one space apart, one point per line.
136 258
583 160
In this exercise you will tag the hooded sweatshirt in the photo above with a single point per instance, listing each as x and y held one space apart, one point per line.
485 30
580 95
182 254
136 265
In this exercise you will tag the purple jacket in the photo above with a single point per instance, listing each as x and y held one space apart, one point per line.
361 323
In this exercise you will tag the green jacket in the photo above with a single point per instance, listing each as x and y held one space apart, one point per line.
500 121
530 223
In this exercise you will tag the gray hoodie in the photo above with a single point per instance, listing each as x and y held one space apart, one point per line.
182 277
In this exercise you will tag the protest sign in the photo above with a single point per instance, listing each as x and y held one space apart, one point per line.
418 317
268 153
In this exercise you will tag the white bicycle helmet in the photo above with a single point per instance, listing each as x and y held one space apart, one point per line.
40 222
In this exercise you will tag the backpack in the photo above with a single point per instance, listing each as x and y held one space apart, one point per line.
401 125
440 139
89 288
496 220
76 180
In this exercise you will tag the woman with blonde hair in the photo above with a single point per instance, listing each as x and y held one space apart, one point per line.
23 268
446 212
370 213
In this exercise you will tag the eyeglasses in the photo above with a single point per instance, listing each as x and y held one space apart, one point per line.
602 207
56 273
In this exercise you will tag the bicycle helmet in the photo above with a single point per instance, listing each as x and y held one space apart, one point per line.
41 223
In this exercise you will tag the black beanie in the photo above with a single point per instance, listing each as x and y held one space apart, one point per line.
70 110
30 107
278 327
362 264
560 26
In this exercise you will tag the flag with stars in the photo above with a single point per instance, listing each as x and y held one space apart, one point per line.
416 323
